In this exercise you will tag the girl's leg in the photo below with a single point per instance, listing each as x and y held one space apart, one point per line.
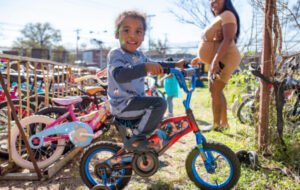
151 109
170 104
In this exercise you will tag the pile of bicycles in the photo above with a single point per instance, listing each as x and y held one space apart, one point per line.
285 93
92 99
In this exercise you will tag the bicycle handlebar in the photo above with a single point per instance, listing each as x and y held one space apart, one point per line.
189 71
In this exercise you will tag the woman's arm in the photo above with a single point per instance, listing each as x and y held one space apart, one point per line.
228 31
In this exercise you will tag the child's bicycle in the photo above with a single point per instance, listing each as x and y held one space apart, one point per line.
48 136
210 165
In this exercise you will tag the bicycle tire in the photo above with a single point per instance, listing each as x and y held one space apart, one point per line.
222 151
236 103
40 101
49 153
91 179
4 123
53 112
246 110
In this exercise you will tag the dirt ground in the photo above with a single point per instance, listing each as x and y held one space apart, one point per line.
69 178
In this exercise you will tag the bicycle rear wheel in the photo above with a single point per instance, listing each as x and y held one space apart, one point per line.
95 169
44 156
221 170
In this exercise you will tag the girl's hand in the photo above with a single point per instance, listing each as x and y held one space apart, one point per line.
169 75
154 69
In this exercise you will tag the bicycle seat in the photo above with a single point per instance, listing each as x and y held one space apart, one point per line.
68 100
92 90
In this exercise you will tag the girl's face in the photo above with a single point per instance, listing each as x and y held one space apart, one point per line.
131 34
217 6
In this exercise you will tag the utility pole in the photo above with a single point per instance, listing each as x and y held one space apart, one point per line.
149 30
266 71
99 43
77 39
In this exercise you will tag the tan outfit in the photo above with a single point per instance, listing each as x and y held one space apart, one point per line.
211 40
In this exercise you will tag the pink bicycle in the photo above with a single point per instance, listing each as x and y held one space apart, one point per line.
47 136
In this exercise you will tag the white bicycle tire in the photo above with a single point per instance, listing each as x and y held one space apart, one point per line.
17 158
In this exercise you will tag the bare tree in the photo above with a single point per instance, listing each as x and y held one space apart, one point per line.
286 24
161 46
295 14
195 12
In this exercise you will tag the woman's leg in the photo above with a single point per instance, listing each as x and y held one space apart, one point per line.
224 121
219 105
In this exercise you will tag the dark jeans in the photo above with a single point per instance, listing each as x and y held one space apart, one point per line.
151 109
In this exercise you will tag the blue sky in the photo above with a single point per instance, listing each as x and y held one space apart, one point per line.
98 16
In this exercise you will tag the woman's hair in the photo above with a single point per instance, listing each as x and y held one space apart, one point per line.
229 7
132 14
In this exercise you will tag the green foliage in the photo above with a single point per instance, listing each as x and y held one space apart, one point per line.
242 82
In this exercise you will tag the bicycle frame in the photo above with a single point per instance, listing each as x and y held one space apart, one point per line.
189 117
91 122
192 127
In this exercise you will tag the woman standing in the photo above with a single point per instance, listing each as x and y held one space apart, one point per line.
218 48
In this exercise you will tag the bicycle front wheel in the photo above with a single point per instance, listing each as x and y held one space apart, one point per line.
220 170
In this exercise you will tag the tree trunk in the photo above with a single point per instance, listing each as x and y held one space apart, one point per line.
266 70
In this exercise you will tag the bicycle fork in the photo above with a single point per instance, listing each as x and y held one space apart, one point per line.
207 156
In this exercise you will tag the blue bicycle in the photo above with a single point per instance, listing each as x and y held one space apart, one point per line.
210 165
